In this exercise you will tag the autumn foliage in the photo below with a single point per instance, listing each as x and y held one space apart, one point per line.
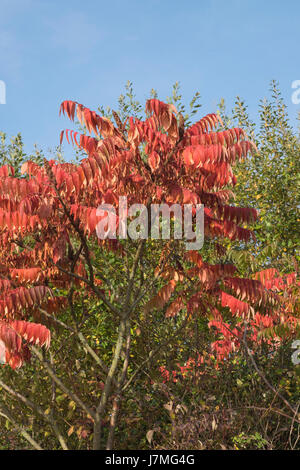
53 202
48 219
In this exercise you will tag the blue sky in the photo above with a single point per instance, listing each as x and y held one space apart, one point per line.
87 50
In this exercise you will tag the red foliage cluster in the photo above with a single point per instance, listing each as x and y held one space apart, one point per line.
278 319
152 161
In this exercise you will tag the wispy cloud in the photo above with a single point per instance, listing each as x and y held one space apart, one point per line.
76 36
10 54
8 8
11 43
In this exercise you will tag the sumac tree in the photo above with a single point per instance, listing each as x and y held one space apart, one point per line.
134 296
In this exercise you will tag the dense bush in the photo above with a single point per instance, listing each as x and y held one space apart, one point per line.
175 382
